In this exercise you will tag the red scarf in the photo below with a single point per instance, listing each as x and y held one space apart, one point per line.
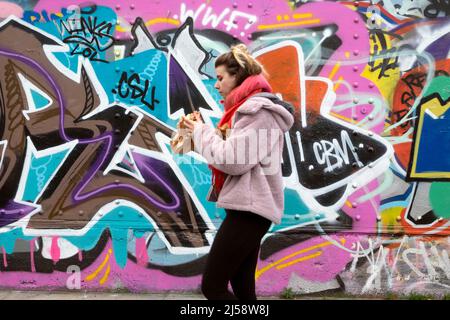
250 86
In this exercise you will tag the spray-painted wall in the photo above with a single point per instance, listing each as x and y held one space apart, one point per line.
92 198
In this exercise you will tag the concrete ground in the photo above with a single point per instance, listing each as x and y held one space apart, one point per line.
175 305
83 295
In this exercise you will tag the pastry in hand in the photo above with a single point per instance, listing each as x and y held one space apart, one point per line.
182 140
194 116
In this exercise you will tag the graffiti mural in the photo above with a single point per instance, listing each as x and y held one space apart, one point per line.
91 195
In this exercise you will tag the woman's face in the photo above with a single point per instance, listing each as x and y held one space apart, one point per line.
225 82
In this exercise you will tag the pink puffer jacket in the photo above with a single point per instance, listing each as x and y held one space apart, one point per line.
250 156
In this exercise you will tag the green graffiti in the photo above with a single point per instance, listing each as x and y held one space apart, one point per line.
439 199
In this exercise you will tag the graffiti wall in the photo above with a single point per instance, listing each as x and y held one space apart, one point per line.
92 198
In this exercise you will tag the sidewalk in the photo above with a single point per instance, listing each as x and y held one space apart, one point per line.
82 295
187 305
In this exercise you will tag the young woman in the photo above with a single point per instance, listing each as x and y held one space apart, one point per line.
245 158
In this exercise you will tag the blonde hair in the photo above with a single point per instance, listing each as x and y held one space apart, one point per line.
238 61
245 60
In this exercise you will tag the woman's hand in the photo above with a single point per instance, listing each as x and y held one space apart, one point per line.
191 120
190 124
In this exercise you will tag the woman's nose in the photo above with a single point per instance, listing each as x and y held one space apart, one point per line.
216 85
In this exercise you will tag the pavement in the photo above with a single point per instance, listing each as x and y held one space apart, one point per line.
89 295
179 305
83 295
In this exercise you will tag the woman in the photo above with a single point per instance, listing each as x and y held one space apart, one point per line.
245 159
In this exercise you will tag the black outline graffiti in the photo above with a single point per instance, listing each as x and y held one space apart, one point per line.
133 86
411 156
436 7
139 22
88 35
189 23
377 35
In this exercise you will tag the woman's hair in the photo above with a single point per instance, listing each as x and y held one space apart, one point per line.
240 63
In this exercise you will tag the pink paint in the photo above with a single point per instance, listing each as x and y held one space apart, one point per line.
141 251
5 263
8 8
33 267
133 277
367 209
217 15
55 251
333 259
353 54
323 268
139 279
220 14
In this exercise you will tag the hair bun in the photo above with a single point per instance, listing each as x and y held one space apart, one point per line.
240 48
244 58
240 58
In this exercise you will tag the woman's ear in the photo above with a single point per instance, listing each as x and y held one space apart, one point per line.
234 79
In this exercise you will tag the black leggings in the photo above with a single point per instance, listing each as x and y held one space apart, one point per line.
233 257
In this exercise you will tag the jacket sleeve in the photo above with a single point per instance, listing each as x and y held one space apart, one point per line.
250 142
